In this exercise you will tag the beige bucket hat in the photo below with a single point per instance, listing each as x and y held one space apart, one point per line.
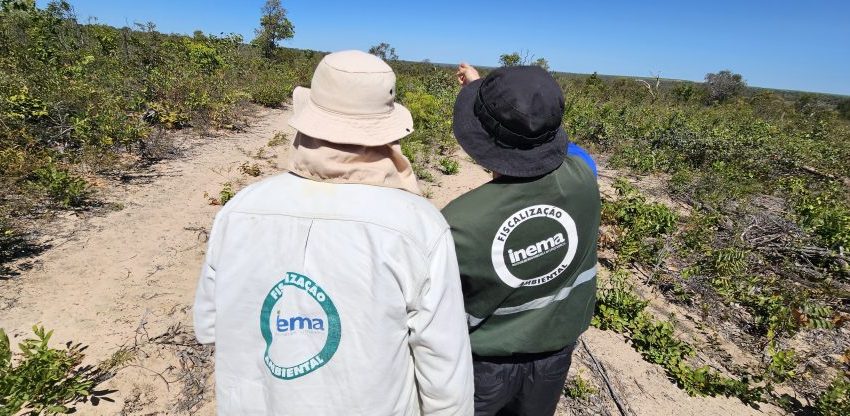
351 101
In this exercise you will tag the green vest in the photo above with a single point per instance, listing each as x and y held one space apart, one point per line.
526 248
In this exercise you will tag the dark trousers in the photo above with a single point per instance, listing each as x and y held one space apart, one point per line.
521 385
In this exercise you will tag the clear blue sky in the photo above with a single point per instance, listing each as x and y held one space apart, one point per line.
802 45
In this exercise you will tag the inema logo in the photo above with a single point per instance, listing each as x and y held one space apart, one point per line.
536 250
297 323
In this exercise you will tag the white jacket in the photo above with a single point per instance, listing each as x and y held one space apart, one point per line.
334 299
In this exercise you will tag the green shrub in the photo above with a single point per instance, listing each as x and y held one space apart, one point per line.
823 212
64 188
250 169
641 225
449 166
270 92
226 193
835 401
42 380
619 309
580 389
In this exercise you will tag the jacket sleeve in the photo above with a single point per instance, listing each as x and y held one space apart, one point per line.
439 338
204 309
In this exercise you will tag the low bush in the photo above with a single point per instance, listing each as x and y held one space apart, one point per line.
449 166
835 401
62 187
42 380
270 89
640 226
619 309
579 389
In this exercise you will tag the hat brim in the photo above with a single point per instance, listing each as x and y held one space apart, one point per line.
365 130
475 140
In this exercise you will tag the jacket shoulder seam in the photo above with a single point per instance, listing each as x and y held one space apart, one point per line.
408 236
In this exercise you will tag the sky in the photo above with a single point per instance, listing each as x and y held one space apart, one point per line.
796 45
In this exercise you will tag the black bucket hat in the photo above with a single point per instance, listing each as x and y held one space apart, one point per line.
510 121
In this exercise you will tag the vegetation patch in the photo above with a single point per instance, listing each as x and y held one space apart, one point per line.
45 380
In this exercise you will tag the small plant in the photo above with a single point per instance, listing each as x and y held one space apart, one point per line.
226 193
250 169
280 138
825 214
580 389
640 225
422 173
449 166
42 380
619 309
835 401
270 89
782 363
65 189
263 154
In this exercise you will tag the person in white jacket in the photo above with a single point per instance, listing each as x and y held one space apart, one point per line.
333 289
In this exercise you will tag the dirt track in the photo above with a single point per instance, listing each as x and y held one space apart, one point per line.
125 277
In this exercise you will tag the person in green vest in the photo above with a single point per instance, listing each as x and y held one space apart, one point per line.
525 241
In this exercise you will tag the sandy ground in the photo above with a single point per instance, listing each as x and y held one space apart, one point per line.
126 279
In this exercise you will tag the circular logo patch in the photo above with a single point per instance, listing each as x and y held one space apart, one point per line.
300 326
534 239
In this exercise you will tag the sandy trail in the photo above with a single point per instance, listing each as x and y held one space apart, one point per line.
125 277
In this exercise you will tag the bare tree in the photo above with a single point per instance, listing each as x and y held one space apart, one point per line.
653 88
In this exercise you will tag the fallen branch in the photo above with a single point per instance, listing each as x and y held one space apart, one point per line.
622 406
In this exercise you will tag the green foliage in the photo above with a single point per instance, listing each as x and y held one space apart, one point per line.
775 311
825 212
724 85
510 59
835 401
728 261
274 27
640 225
384 51
541 62
78 100
580 389
43 380
782 364
429 95
619 309
685 92
250 169
843 108
226 193
270 89
280 138
449 166
65 189
617 306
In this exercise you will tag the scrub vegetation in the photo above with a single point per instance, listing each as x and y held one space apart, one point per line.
731 202
744 220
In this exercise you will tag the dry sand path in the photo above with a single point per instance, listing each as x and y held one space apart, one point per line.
126 279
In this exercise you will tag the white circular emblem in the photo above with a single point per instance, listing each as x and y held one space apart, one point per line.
546 246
